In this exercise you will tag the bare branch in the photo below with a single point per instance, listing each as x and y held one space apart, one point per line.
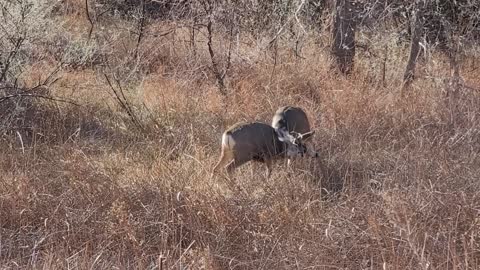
4 98
10 57
218 75
141 28
122 100
229 55
87 11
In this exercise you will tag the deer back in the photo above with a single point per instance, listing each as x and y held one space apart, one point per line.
254 141
292 119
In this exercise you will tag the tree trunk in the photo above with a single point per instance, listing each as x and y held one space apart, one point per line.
415 49
343 48
451 49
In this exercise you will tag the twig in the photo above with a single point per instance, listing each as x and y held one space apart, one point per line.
150 114
183 254
220 81
229 55
166 33
384 65
122 100
192 37
274 62
295 16
21 141
4 98
12 54
48 80
141 28
87 11
117 82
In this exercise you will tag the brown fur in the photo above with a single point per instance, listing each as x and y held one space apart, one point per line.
292 119
245 142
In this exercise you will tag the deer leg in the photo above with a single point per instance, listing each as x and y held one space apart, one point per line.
220 162
230 167
268 163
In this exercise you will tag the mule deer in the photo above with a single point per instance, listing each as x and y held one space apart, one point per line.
291 119
259 142
294 121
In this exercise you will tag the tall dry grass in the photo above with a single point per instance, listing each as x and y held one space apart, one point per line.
396 186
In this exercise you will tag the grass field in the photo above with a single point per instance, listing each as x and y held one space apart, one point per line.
82 187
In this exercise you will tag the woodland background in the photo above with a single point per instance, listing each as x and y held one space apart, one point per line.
111 113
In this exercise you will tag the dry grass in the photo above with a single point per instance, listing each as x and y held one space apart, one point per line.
396 188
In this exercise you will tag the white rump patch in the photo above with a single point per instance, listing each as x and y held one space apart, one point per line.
227 141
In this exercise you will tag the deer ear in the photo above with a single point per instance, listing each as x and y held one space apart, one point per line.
306 136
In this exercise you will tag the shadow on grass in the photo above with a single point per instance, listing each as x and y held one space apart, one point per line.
31 117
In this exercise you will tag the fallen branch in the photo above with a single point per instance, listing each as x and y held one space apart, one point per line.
4 98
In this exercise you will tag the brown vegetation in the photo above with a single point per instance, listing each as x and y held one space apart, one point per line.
85 186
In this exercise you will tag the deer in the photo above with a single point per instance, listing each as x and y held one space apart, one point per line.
259 142
290 120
